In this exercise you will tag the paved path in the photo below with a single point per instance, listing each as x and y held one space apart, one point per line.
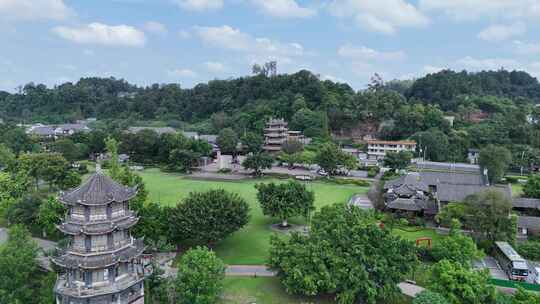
248 271
410 289
361 200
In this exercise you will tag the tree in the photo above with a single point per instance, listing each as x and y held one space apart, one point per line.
49 167
429 297
398 160
460 284
50 213
224 213
258 162
291 152
346 254
7 158
532 187
24 211
227 141
330 158
253 142
525 297
456 248
496 160
285 200
18 267
183 160
529 250
200 277
433 144
67 148
488 215
112 149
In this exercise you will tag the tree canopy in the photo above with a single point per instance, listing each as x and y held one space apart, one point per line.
285 200
345 253
205 218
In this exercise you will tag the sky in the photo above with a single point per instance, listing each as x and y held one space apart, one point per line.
193 41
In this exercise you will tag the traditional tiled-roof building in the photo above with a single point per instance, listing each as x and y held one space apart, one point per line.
102 263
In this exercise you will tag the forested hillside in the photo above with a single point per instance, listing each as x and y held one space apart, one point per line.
493 107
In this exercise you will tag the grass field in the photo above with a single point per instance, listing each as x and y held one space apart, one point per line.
412 235
250 245
247 290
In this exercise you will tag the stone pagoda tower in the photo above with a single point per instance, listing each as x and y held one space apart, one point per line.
275 135
101 263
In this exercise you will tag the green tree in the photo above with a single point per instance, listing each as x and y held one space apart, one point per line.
7 158
433 144
183 160
330 158
532 187
488 216
398 160
429 297
227 141
25 211
460 284
224 213
258 162
525 297
456 248
18 267
529 250
253 142
114 165
49 167
50 213
496 160
200 277
285 200
346 254
67 148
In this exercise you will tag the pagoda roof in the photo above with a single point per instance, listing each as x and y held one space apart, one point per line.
99 228
99 189
99 261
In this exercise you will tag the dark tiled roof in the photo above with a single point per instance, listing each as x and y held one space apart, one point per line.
457 193
529 222
99 189
530 203
412 180
407 204
69 260
99 228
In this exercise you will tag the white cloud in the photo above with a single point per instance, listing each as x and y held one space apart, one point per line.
284 8
429 69
34 10
366 54
384 16
155 28
258 49
102 34
199 5
526 48
215 67
475 9
497 33
182 73
183 34
475 64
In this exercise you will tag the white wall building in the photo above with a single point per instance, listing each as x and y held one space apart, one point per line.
377 149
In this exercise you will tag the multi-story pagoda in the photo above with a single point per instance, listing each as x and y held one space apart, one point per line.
275 135
101 263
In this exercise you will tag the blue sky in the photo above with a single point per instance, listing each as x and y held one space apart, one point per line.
192 41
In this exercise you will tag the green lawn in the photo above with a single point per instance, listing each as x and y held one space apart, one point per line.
409 233
517 190
261 290
248 290
250 245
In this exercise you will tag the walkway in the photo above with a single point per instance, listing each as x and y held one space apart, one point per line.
361 200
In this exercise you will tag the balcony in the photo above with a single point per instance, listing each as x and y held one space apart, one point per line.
119 285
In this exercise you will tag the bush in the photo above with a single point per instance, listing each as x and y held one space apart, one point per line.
346 181
511 179
373 171
530 250
224 170
429 297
